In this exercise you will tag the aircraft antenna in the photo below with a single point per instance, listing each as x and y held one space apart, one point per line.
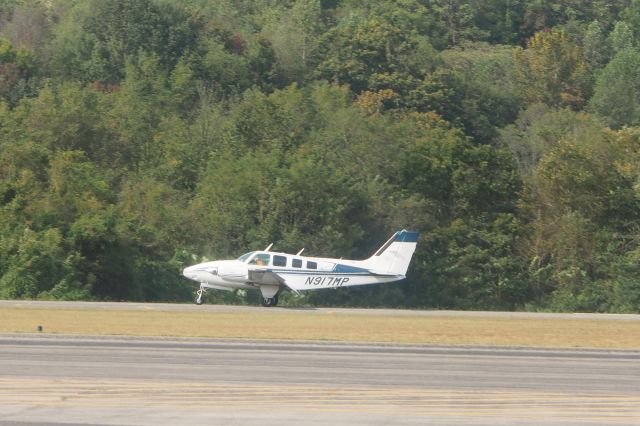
268 248
300 252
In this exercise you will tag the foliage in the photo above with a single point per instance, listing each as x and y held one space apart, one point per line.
552 70
18 71
617 93
138 137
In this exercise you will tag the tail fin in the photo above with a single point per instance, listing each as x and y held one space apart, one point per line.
394 256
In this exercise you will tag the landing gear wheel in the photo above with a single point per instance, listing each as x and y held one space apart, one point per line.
199 294
268 302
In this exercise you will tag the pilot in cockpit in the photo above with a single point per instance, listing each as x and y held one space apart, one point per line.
260 259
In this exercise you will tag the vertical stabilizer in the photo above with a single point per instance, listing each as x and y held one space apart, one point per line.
394 256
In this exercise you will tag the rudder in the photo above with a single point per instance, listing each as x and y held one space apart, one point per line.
394 256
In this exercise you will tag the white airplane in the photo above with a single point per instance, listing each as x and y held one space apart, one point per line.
273 272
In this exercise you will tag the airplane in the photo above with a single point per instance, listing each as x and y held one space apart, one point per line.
273 272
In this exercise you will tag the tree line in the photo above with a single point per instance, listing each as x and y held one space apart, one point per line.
138 137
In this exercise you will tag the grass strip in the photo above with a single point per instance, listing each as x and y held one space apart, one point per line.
262 324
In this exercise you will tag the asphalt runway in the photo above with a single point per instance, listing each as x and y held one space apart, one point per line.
47 380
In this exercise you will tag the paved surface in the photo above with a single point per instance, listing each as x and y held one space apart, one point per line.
133 381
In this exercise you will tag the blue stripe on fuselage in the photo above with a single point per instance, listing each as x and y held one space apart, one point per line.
359 271
348 269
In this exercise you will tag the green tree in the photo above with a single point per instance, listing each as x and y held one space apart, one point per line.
538 130
489 99
372 55
583 206
77 187
271 122
631 15
595 47
227 204
470 193
294 37
28 26
153 229
552 70
96 39
224 71
616 96
502 20
262 62
18 69
458 20
68 117
621 37
36 267
134 113
540 15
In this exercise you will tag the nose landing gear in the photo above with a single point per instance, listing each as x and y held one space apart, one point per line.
199 294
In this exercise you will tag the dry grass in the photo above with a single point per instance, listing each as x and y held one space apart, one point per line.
532 332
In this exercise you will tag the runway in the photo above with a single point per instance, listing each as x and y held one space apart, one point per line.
141 381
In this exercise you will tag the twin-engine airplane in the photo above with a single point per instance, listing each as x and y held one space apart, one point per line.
273 272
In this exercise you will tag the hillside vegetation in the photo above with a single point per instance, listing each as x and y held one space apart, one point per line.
141 136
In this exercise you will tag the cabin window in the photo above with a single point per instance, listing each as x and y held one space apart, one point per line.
312 265
296 263
260 259
279 260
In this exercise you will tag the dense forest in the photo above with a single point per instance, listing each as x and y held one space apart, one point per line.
141 136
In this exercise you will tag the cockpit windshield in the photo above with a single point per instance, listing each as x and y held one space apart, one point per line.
255 258
245 256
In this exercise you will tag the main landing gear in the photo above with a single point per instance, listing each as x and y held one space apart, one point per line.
268 302
199 294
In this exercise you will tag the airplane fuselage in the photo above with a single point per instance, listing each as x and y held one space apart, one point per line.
272 272
324 272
